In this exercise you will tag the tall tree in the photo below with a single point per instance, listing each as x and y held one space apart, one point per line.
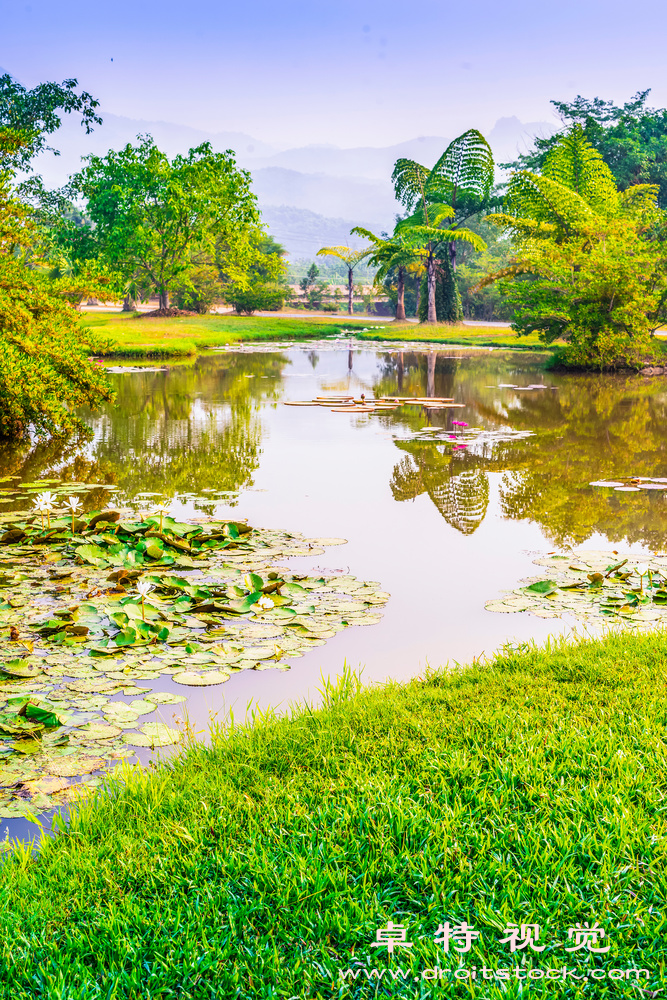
591 261
457 187
350 258
157 222
389 253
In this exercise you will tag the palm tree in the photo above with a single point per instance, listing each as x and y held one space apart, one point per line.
350 258
457 187
400 251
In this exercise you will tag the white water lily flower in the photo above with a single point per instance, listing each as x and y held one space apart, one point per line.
48 499
144 588
73 503
641 569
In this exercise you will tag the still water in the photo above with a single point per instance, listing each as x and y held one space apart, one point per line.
443 530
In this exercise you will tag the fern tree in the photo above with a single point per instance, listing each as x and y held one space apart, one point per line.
590 266
388 253
350 258
457 187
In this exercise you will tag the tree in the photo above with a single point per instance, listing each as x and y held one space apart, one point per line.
35 114
591 261
45 371
309 278
350 258
158 222
457 187
631 139
388 253
266 287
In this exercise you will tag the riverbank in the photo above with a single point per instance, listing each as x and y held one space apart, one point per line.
527 790
186 336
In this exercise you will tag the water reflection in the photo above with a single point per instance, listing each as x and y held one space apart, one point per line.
585 428
201 427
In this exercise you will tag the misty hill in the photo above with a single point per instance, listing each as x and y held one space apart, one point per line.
303 232
298 189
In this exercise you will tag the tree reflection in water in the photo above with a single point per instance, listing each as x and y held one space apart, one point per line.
593 427
462 498
188 428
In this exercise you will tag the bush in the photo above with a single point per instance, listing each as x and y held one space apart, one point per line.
268 298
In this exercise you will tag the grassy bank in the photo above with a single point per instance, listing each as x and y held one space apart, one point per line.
444 333
182 336
527 790
185 336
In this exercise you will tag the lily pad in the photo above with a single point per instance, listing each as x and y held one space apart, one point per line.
190 679
70 767
153 734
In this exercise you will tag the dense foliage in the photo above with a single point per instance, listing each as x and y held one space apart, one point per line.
265 287
36 114
590 265
44 370
186 224
631 139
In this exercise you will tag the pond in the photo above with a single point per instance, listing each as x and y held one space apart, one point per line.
442 516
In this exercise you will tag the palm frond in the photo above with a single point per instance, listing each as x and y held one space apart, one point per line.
577 165
409 179
347 254
544 199
465 166
638 199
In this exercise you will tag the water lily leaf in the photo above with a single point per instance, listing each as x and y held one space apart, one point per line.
126 637
543 587
153 734
20 668
191 679
92 554
70 767
100 731
165 698
42 715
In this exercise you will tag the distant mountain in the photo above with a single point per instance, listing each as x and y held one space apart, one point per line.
298 189
370 201
302 233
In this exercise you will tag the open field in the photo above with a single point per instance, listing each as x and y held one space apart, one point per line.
185 336
530 789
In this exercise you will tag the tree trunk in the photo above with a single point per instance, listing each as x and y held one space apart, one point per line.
419 295
432 317
452 256
164 300
350 292
129 305
400 288
430 375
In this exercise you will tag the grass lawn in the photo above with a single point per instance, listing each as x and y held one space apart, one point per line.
531 789
444 333
185 336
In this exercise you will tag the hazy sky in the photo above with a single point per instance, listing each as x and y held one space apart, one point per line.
350 73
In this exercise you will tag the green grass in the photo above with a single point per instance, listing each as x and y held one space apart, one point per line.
184 336
529 789
444 333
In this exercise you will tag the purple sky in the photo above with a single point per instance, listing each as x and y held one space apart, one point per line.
363 73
